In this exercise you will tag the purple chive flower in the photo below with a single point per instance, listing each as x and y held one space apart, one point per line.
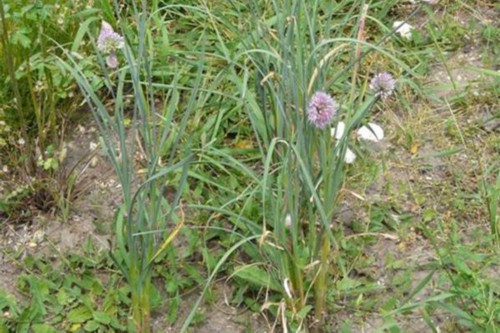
108 42
112 60
322 108
383 84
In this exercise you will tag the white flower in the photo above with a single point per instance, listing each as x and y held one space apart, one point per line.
369 132
338 130
403 29
349 156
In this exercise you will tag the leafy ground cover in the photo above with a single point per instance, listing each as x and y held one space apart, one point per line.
162 171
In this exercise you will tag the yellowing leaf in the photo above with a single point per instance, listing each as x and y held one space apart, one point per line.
169 239
75 327
414 148
243 144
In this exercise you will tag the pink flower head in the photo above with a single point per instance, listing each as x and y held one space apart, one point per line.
322 109
383 84
112 60
109 41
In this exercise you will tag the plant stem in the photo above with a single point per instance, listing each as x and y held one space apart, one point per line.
141 307
320 292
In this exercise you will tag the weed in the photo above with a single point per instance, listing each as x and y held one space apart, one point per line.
65 298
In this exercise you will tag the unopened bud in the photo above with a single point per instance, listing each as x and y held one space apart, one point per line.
288 221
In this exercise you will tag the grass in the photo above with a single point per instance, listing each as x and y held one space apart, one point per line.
221 183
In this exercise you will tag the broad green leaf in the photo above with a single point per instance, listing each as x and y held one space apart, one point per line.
43 328
304 311
20 38
79 315
256 276
345 327
102 317
173 309
347 283
462 266
63 298
8 301
155 297
91 326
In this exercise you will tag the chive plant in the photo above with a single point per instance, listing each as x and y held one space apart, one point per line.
306 80
146 222
296 79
